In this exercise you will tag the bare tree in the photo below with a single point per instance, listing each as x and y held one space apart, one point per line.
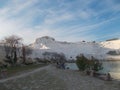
11 45
54 56
28 50
25 51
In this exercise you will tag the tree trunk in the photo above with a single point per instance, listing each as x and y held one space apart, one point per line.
24 54
15 55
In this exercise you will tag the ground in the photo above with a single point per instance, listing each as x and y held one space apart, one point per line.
51 78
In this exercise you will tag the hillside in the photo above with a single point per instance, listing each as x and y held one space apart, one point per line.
114 44
71 50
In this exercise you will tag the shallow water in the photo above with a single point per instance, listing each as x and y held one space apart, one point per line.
113 67
108 66
71 66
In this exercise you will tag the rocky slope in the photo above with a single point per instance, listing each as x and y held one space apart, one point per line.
71 50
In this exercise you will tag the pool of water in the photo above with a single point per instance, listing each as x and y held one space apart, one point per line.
71 66
113 67
108 66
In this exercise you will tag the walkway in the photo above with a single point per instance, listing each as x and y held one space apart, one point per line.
51 78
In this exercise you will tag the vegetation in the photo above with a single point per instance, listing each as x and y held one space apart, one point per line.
54 56
16 53
85 64
25 51
40 60
81 62
11 45
95 65
113 53
19 69
15 50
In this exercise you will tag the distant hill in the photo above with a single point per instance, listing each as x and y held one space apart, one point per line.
71 50
100 50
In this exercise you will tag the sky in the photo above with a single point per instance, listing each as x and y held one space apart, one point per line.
65 20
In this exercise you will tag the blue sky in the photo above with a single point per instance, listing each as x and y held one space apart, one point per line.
65 20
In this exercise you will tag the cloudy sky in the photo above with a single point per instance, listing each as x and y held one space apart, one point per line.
65 20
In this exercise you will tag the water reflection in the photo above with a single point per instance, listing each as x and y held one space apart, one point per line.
108 66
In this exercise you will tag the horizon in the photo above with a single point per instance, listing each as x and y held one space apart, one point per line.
110 39
65 20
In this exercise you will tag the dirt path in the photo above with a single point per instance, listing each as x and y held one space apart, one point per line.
24 74
76 80
51 78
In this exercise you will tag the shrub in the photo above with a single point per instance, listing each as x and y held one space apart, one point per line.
95 65
83 63
113 53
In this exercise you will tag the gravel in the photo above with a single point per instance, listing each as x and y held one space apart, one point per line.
51 78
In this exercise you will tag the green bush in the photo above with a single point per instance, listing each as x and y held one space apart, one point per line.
95 65
83 63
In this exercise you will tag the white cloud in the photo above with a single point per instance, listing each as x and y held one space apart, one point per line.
18 15
84 15
58 18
